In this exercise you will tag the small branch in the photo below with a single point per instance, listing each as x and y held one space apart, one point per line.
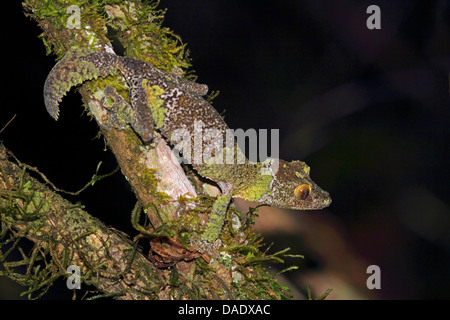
107 259
94 178
7 124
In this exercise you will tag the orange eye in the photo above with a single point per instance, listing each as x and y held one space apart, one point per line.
302 191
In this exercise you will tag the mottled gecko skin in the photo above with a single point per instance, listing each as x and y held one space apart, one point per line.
168 103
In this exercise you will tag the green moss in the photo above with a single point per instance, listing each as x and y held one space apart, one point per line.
148 177
52 16
144 38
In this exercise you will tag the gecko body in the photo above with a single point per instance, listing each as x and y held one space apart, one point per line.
165 102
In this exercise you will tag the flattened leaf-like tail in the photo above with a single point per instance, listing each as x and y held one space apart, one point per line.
76 67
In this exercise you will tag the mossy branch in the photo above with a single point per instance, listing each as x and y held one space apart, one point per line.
171 196
64 235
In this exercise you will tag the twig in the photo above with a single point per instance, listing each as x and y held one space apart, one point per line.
7 124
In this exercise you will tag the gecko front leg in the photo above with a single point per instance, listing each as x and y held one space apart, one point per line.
194 87
217 218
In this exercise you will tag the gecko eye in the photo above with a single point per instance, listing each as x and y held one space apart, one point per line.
302 191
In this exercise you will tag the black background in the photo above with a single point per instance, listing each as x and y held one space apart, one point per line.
368 110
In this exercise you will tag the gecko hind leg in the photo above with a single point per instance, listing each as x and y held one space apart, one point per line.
120 111
123 114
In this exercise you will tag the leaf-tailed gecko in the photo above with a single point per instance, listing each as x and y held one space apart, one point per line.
166 102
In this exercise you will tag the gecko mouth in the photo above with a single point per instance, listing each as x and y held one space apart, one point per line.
321 199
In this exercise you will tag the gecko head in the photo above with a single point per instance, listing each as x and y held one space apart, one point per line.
292 187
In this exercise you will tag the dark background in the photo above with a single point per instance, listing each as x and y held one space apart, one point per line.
368 110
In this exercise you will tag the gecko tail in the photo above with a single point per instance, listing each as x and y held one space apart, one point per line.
76 67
